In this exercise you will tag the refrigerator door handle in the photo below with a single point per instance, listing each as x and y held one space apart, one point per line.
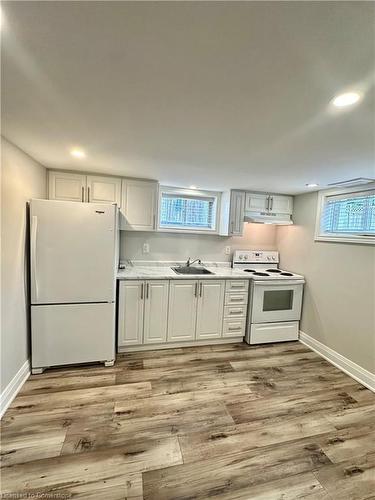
34 228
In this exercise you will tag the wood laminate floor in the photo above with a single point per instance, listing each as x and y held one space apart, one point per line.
227 422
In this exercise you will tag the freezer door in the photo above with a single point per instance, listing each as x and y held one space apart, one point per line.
73 251
68 334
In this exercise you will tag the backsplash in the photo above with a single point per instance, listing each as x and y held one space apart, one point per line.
174 246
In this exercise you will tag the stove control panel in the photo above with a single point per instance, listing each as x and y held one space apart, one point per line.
256 257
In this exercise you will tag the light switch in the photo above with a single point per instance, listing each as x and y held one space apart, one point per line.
227 250
146 248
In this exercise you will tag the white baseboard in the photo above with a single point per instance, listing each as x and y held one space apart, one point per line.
355 371
11 390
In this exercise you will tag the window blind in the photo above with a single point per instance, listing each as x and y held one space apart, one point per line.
350 213
183 211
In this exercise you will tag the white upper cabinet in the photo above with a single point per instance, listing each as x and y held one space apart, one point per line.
269 203
66 186
210 309
280 204
139 205
101 189
256 202
236 215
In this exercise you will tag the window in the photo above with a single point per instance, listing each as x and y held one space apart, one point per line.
347 215
188 210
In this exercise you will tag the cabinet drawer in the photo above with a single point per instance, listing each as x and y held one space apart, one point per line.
234 327
235 311
232 298
236 285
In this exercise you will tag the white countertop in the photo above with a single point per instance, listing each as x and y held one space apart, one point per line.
162 270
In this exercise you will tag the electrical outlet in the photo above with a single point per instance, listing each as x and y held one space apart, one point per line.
146 248
227 250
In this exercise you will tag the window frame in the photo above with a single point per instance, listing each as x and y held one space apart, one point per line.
340 237
196 193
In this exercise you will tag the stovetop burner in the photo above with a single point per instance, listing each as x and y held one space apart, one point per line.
273 271
249 270
286 274
257 273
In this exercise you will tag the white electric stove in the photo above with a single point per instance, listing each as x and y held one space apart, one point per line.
275 300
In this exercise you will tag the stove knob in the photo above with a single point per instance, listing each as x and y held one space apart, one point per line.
273 258
268 258
240 257
246 257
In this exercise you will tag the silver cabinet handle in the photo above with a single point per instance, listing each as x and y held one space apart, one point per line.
142 285
196 289
236 299
88 195
200 289
83 193
234 328
271 207
268 202
236 311
147 289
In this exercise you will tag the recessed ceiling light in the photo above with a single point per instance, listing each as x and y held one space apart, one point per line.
78 153
312 185
347 99
193 187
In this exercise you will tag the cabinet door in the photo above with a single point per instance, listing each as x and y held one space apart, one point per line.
256 202
182 310
130 315
281 204
237 207
156 312
101 189
66 186
210 309
139 205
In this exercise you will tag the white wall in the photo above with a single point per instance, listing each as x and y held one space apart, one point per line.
339 300
22 179
174 246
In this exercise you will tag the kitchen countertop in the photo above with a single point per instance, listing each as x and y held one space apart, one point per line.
162 270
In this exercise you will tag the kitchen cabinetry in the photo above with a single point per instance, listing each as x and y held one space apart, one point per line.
162 312
139 205
143 312
269 203
182 310
210 309
236 213
67 186
101 189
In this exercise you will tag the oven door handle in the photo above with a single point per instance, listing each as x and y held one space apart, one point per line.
279 283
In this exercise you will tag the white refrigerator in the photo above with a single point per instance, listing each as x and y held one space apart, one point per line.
73 263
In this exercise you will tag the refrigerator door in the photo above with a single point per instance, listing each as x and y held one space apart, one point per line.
67 334
73 252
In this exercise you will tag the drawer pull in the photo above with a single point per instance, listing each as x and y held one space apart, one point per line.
234 328
236 299
236 285
236 311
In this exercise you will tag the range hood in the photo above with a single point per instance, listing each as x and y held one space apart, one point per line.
268 218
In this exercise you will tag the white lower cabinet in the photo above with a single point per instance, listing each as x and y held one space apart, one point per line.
131 310
143 312
182 310
170 311
210 309
156 312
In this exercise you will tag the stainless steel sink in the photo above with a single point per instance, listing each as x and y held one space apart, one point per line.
191 270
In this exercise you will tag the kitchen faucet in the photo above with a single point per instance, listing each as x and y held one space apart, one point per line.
190 262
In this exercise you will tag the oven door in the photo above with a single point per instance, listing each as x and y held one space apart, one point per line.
276 301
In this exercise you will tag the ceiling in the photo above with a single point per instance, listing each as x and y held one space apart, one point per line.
216 94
